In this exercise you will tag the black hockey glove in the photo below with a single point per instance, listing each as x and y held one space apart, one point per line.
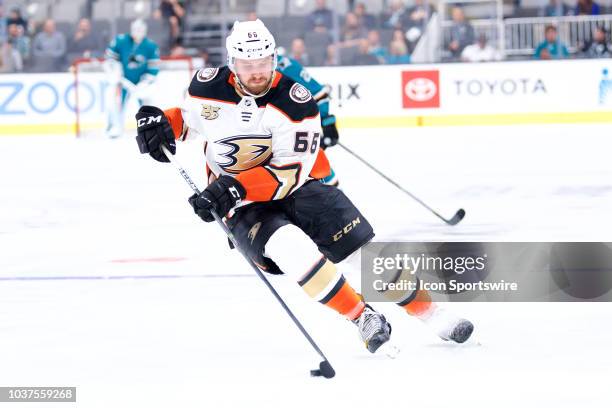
330 133
153 131
221 196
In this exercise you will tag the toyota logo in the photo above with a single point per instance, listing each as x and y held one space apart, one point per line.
420 89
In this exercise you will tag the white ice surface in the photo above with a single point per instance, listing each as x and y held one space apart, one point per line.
109 282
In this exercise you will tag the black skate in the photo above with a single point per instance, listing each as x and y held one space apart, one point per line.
373 328
447 325
462 331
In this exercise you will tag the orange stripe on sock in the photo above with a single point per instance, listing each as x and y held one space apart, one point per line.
346 302
420 304
356 311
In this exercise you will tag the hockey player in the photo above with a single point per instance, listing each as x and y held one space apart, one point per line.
131 65
294 70
262 136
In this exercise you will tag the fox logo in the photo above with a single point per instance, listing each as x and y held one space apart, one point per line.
147 121
246 152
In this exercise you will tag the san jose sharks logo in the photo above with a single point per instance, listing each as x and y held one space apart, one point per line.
246 152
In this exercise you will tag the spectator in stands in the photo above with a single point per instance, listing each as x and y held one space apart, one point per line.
417 15
363 57
409 38
203 59
480 51
10 60
398 52
393 16
461 33
173 11
15 17
365 20
331 56
398 35
20 42
298 52
551 47
321 18
48 48
555 8
3 23
586 8
375 48
352 30
177 50
414 21
599 47
84 43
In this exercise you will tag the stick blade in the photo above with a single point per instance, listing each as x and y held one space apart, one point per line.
325 370
457 217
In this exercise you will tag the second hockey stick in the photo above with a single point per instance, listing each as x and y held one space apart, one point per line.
452 221
325 369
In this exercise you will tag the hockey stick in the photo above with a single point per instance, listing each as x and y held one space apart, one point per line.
325 369
453 221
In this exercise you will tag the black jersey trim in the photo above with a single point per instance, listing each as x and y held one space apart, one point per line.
217 88
220 89
280 99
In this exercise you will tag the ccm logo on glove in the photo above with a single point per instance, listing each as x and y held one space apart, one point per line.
149 120
234 192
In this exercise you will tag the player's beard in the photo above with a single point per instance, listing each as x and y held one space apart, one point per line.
257 85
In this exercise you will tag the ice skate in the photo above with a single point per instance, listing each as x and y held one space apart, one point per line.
373 328
447 325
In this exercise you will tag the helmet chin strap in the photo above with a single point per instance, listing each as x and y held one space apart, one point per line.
244 90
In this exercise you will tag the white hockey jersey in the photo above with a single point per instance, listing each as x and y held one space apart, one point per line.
270 144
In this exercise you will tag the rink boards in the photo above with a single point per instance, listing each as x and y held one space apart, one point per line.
522 92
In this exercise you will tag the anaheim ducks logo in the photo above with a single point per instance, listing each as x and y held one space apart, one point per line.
206 74
210 112
253 231
247 151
